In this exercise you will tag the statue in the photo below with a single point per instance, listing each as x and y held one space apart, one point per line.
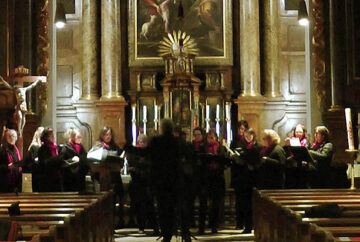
21 106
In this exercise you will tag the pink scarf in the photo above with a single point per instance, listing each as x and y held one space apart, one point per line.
12 173
197 144
76 147
212 148
303 142
316 145
106 146
53 148
265 150
250 145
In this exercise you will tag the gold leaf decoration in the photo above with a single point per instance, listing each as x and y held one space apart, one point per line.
177 44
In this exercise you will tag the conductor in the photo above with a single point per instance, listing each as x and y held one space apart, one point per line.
165 155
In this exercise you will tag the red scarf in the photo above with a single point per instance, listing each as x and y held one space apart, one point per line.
316 145
12 172
76 147
53 148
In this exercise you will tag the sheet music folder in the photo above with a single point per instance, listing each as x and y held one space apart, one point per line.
301 153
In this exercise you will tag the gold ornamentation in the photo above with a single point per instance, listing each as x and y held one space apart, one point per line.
178 45
318 54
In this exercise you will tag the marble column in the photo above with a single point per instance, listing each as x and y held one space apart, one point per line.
110 50
336 38
112 104
90 63
271 28
249 48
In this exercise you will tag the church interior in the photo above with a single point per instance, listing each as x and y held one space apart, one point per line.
85 65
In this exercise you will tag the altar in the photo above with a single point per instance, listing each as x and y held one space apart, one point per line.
190 98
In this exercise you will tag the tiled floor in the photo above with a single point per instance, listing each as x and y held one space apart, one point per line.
224 234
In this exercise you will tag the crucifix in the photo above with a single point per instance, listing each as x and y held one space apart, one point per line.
17 81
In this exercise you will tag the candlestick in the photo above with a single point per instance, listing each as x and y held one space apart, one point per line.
349 128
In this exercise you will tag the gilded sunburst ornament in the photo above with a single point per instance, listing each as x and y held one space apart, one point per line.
178 44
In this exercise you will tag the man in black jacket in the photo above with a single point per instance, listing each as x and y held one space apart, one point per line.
164 152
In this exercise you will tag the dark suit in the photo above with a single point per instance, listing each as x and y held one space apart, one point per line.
164 153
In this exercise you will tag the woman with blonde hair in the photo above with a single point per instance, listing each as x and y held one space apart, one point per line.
31 161
273 159
74 155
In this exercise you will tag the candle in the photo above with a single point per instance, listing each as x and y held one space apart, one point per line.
227 111
156 117
133 126
207 118
349 128
207 111
144 113
133 132
156 112
144 118
217 111
133 113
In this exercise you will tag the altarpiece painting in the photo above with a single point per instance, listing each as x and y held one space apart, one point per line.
209 22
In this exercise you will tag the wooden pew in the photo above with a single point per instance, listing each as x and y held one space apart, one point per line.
71 222
280 211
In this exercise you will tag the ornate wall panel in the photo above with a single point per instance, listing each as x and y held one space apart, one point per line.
282 114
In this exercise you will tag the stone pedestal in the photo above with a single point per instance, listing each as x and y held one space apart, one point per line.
112 113
335 122
250 109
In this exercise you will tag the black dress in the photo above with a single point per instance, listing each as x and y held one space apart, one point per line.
245 184
271 172
49 170
10 179
74 175
31 165
141 195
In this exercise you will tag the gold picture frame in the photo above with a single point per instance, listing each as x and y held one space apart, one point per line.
212 32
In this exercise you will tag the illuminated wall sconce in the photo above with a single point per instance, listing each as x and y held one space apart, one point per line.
303 17
60 19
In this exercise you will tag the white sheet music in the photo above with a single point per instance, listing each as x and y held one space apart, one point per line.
96 154
295 142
